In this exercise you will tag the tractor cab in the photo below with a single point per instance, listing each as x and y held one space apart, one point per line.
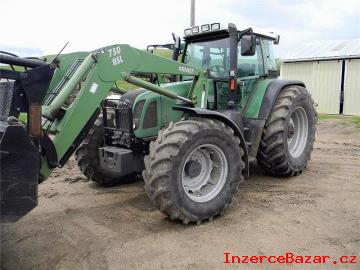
235 60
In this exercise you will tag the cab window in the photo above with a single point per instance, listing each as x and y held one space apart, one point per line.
212 56
250 65
270 56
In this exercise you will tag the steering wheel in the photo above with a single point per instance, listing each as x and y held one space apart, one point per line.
217 68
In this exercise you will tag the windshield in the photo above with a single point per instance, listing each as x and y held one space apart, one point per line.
210 55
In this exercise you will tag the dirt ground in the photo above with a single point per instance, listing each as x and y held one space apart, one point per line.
79 225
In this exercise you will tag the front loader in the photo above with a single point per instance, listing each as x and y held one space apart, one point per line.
190 138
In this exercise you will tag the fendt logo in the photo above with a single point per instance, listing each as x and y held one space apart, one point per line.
186 69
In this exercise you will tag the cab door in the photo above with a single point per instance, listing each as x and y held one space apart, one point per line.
249 70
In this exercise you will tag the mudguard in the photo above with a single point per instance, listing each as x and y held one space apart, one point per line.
272 92
255 125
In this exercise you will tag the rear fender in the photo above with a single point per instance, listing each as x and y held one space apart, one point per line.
272 92
254 122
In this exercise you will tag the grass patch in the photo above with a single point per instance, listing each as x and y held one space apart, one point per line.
356 121
16 68
353 119
23 118
327 116
126 86
163 52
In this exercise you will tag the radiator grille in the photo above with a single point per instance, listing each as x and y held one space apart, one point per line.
118 118
123 116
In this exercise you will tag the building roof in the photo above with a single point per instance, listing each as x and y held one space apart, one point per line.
337 49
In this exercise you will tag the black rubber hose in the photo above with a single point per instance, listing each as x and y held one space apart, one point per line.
18 61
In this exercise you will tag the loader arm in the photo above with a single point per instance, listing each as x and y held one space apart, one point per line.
99 71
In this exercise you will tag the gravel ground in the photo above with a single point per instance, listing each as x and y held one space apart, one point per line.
79 225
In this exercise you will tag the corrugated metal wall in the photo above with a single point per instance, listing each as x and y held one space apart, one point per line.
352 87
322 79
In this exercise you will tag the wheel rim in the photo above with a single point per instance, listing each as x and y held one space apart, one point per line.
297 132
204 173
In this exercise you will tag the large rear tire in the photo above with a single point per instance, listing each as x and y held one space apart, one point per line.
289 133
88 160
194 169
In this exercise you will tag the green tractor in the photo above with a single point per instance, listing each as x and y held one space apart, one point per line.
190 135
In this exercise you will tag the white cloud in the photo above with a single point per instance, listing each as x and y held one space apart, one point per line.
328 14
47 25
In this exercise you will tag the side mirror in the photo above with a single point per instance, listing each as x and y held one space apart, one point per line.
177 41
176 52
277 41
248 45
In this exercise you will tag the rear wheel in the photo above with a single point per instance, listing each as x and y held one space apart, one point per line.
193 169
289 133
88 160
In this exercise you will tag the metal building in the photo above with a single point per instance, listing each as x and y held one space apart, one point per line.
331 72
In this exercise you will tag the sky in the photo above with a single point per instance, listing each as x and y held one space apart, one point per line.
41 27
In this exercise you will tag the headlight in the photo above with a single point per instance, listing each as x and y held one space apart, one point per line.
136 123
137 113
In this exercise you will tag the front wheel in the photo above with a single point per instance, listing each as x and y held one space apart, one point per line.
193 170
88 158
289 133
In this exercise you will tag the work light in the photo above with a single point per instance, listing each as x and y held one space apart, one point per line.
187 32
195 29
205 27
215 26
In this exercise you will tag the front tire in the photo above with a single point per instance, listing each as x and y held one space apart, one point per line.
88 159
289 133
194 169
